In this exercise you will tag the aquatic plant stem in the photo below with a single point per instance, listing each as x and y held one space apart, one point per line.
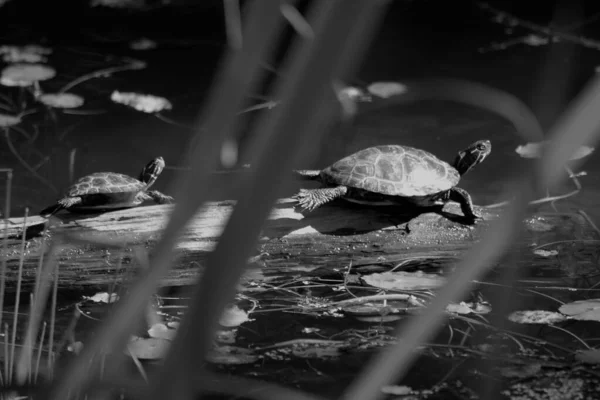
39 355
24 163
53 320
41 290
233 24
7 198
18 297
101 73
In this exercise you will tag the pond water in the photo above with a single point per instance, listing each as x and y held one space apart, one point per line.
417 40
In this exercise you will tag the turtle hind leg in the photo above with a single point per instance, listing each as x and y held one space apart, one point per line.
308 174
462 197
60 205
159 197
49 211
310 199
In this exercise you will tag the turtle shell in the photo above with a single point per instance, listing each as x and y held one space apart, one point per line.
105 183
393 170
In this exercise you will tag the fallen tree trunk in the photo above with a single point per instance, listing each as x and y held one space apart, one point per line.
98 250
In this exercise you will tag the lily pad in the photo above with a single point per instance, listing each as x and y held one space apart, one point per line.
534 150
103 297
319 352
377 312
387 89
75 347
26 74
161 331
142 44
148 348
231 355
591 356
583 310
536 317
61 100
142 102
521 371
468 308
397 390
9 120
404 280
31 53
233 316
546 253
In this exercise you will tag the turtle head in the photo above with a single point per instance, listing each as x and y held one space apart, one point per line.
472 155
151 171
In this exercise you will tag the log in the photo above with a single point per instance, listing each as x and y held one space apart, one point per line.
100 249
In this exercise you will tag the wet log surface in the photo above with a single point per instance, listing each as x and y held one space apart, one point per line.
323 242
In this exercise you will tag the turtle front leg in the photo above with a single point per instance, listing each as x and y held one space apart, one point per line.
309 199
159 197
462 197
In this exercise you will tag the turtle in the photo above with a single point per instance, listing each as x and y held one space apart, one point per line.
103 191
395 174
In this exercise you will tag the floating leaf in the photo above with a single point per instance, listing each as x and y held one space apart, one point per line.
521 371
354 93
319 352
536 317
461 308
30 48
233 316
31 53
590 356
75 347
404 280
310 330
142 102
231 355
377 312
397 390
9 120
468 308
103 297
148 348
546 253
26 74
142 44
534 150
583 310
535 40
387 89
161 331
226 336
539 224
61 100
21 56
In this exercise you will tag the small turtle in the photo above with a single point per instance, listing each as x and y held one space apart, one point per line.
392 174
108 190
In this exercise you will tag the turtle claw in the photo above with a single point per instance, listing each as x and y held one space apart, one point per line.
305 200
474 218
167 200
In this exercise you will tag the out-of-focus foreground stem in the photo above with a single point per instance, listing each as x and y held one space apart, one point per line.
240 71
341 30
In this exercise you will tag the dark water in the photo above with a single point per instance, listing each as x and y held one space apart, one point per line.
426 39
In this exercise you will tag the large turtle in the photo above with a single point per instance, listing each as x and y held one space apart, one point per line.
393 174
103 191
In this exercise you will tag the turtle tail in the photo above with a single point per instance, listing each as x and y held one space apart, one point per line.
308 174
49 211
